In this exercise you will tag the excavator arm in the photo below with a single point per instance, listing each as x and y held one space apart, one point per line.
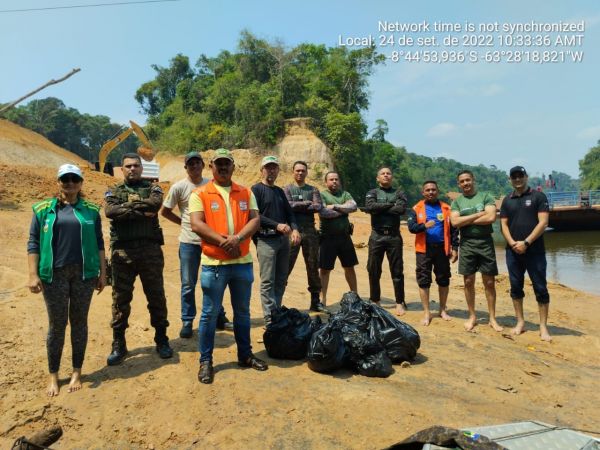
147 150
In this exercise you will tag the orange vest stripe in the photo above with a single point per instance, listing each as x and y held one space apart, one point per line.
421 238
215 215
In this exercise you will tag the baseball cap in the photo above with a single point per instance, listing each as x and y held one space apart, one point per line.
192 155
69 168
269 160
222 153
517 169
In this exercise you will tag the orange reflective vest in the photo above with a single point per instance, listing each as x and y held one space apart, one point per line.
215 216
421 238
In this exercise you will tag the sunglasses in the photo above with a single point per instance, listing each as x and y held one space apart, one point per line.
516 176
70 178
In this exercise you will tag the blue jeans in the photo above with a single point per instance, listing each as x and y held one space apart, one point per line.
214 280
189 265
535 265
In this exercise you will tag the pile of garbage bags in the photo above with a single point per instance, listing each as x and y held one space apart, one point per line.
362 336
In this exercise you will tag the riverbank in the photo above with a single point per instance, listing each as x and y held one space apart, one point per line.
458 378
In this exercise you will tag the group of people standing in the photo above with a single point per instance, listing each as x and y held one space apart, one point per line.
219 218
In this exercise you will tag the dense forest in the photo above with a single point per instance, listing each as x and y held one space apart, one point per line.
241 99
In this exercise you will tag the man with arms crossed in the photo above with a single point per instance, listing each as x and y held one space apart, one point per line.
336 240
473 213
190 248
277 228
386 205
436 245
305 201
524 218
225 216
135 240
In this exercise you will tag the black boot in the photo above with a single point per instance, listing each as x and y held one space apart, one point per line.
316 305
163 348
119 348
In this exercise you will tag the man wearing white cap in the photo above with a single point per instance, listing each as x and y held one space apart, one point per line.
277 228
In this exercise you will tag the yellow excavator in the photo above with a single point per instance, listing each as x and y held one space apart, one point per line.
146 151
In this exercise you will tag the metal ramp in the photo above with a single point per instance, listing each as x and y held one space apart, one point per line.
532 436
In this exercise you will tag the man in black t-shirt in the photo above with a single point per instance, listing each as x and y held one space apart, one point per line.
524 218
278 229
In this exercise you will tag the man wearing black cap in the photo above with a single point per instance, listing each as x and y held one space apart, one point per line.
524 218
190 248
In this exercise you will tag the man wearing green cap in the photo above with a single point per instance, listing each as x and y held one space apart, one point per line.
277 228
225 216
190 248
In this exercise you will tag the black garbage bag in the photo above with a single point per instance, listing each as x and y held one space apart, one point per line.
289 332
375 365
326 350
399 339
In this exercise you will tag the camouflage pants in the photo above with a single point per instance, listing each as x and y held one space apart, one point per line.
310 252
148 263
67 299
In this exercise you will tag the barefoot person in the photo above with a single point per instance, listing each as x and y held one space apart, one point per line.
336 234
473 213
385 205
524 217
66 264
436 245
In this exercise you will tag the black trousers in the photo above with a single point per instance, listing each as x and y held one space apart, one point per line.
390 245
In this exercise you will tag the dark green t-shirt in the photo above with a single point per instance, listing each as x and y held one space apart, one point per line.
467 206
302 194
339 225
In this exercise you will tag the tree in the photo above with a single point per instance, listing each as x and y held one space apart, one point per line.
381 129
589 168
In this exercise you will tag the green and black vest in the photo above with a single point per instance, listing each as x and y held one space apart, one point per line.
139 228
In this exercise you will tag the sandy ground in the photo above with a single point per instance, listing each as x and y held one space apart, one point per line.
458 378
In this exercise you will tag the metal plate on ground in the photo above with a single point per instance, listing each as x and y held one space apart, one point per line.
532 436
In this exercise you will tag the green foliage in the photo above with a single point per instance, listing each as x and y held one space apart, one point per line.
589 168
244 97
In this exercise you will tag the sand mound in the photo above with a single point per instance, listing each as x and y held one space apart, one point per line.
21 146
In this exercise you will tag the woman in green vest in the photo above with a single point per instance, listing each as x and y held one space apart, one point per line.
66 263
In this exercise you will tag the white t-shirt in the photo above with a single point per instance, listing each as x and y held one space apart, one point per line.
179 195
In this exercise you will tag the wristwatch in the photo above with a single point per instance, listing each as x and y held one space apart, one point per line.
526 242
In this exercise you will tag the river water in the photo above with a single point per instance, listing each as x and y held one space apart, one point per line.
573 258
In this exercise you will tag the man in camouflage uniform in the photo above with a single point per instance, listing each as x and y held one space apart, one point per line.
305 201
385 205
135 240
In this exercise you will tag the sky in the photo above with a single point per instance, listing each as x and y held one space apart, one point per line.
502 113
